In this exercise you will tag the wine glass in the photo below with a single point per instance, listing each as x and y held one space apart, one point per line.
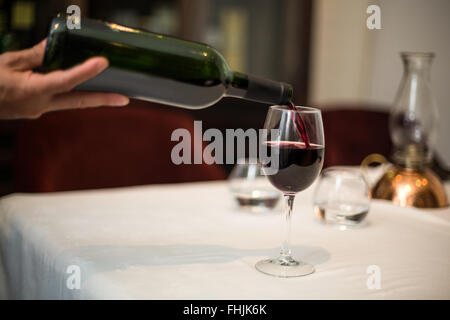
297 145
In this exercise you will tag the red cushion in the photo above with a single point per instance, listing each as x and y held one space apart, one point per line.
103 147
351 135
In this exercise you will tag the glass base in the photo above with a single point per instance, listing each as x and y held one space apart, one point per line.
345 226
284 267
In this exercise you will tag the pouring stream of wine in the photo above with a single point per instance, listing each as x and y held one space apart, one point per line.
299 124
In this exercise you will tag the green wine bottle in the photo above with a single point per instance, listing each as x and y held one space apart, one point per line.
153 67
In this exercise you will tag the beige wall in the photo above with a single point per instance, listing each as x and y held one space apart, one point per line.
352 63
340 51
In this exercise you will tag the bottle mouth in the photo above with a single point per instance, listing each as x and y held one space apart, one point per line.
286 92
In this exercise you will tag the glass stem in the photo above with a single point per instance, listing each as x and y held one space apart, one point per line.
285 248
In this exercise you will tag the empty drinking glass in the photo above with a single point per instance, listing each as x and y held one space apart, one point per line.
342 197
251 189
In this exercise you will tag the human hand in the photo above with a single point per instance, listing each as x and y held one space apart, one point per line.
26 94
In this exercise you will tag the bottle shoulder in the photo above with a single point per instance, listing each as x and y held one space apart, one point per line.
216 60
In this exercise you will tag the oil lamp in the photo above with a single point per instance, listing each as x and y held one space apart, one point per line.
413 128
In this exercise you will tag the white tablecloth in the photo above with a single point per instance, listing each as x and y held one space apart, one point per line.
189 241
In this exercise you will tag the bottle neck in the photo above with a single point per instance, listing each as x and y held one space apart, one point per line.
258 89
238 85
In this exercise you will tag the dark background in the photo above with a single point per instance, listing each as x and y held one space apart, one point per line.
267 32
112 148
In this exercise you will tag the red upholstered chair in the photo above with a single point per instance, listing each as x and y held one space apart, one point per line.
103 147
352 134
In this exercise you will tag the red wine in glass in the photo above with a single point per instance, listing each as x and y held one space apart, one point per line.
298 165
